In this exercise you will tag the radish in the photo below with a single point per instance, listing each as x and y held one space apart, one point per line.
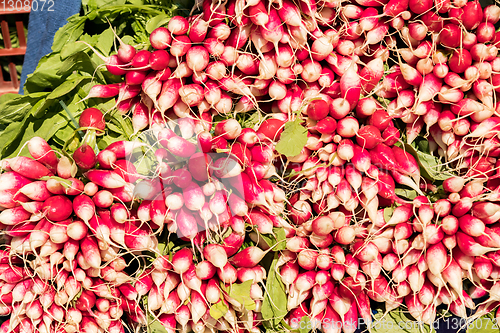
36 191
85 157
160 38
105 178
57 208
83 207
368 137
469 246
29 168
41 151
105 91
92 118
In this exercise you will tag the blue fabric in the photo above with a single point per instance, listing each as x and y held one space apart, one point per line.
41 30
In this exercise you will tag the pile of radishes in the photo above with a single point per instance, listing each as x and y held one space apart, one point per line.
365 79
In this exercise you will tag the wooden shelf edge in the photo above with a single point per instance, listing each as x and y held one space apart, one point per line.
12 52
9 91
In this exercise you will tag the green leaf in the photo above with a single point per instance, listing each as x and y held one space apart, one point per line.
218 310
253 120
383 101
122 125
157 22
388 213
70 49
274 307
439 193
103 3
157 327
30 127
406 193
106 41
11 133
14 107
66 87
241 293
165 248
69 33
278 236
63 134
109 139
89 39
127 39
293 138
82 63
146 164
423 146
305 325
430 166
45 77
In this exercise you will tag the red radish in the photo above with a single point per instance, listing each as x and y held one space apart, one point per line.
106 159
261 221
228 129
451 35
160 38
105 178
347 127
12 181
105 91
29 168
178 25
92 118
135 77
83 207
91 252
205 270
460 61
141 59
103 199
350 86
197 58
35 191
326 125
77 230
198 30
40 234
57 208
345 235
123 149
180 46
158 61
169 94
368 137
272 129
85 157
227 274
469 246
41 151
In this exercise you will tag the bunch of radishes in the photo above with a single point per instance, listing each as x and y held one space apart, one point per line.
181 294
63 267
50 215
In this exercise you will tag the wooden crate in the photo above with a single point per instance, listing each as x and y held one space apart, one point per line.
8 51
